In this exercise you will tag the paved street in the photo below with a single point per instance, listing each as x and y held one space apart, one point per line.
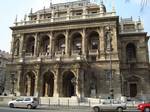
52 109
45 109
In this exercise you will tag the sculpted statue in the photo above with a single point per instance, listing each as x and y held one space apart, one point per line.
108 40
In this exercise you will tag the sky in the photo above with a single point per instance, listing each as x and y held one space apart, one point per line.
9 9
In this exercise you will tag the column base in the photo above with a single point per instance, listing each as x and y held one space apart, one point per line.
56 95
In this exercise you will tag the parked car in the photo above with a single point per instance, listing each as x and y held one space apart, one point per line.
144 107
26 102
109 106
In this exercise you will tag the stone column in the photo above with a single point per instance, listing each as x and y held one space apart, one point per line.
38 83
82 83
36 86
60 86
12 44
28 85
50 43
77 83
114 39
67 43
56 94
68 13
53 15
102 40
35 44
19 82
46 90
21 45
84 12
83 42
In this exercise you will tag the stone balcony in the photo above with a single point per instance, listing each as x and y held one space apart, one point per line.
93 52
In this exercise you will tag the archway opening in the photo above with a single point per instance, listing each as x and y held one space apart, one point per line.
30 45
48 84
44 43
30 84
93 40
76 43
69 84
133 89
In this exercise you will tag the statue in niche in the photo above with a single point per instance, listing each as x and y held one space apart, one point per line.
108 40
16 48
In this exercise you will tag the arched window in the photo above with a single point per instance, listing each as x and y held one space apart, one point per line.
60 43
44 43
93 40
76 41
30 45
130 52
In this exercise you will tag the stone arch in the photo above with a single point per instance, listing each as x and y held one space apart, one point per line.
68 84
44 44
48 84
60 42
76 42
30 42
16 47
30 79
130 51
93 40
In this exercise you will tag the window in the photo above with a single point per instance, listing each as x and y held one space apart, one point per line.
20 99
129 27
130 52
27 99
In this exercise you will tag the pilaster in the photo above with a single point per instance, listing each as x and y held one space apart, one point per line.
36 44
53 14
21 45
28 85
19 81
67 43
36 92
38 81
83 42
50 43
12 44
102 43
56 94
84 12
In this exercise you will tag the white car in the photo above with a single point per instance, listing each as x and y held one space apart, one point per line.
109 106
26 102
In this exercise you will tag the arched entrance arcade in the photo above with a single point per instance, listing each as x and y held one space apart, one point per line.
69 84
30 84
48 84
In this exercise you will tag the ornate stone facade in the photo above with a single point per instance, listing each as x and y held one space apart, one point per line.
78 48
4 59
